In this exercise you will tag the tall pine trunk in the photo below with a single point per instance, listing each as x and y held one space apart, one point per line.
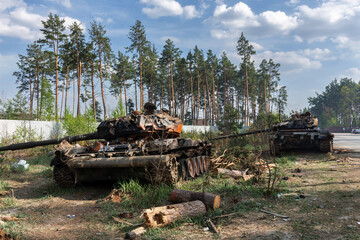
62 98
141 80
37 93
93 89
213 97
101 80
31 95
124 81
66 87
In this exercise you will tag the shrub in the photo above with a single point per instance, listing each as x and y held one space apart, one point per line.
80 124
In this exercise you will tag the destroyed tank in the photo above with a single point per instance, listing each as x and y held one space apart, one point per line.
142 145
300 132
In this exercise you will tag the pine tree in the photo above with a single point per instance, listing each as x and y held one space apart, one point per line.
53 30
139 43
168 57
78 47
123 71
102 46
245 50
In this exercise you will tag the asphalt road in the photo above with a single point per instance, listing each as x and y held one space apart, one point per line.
347 141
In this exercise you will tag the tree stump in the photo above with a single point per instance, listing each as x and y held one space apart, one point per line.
211 201
164 215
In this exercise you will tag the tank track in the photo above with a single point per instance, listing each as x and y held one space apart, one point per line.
63 176
193 167
325 145
179 169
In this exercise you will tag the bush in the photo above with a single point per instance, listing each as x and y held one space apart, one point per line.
80 124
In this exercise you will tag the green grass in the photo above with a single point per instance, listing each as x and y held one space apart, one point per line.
40 160
138 195
7 202
4 185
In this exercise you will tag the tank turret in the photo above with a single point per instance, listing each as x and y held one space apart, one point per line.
298 121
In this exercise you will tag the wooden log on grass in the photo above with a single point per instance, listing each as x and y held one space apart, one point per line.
164 215
211 201
133 234
236 174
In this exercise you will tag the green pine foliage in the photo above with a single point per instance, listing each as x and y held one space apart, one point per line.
338 105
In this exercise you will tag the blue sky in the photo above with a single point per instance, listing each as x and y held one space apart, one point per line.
314 41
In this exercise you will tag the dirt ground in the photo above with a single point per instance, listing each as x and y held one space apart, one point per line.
321 200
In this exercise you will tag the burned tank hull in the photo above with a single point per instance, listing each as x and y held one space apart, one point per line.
300 133
159 160
321 141
143 145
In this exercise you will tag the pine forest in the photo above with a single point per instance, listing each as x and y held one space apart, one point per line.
68 72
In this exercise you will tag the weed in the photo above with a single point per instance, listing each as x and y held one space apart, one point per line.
143 195
4 185
40 160
7 202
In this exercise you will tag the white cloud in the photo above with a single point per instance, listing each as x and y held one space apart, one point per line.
330 19
292 2
279 20
298 38
166 8
98 19
190 12
7 61
6 4
16 20
290 62
21 16
65 3
256 46
344 42
174 39
353 73
319 54
331 11
69 21
240 18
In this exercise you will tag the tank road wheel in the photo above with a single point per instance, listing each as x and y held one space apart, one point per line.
190 168
63 176
200 164
325 145
182 170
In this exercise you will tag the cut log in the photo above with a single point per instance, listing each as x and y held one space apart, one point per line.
236 174
211 201
164 215
135 233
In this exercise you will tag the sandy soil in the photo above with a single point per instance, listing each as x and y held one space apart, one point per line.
322 202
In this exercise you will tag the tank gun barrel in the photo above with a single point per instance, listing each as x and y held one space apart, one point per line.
26 145
243 134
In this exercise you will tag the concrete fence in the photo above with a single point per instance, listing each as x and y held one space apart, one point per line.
47 129
43 129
